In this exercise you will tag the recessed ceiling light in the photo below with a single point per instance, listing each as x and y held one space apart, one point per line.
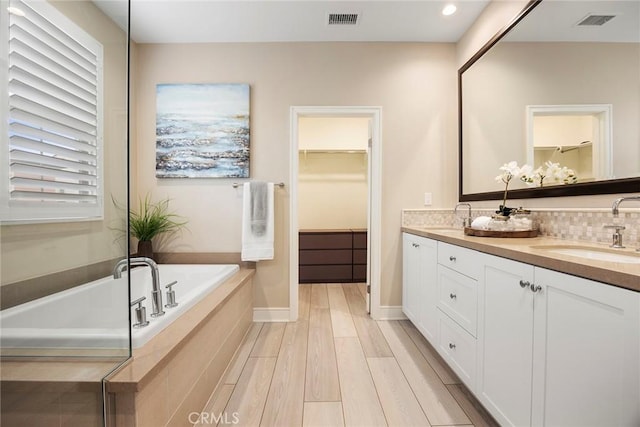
16 11
449 9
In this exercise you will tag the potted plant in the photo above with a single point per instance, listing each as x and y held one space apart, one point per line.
152 219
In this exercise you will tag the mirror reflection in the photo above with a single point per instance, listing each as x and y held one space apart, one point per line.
563 87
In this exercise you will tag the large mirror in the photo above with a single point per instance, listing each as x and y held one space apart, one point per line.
560 85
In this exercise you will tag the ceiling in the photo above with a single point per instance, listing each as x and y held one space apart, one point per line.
189 21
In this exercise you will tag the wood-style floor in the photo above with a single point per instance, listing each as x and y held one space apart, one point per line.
336 366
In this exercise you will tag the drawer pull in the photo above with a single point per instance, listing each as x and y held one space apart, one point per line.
535 288
415 245
452 258
453 296
452 346
524 283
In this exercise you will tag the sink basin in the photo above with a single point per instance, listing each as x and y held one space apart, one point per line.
610 255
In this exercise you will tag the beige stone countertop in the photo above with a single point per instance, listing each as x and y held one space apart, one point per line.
527 250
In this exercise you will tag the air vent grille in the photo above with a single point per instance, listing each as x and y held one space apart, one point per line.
343 19
596 20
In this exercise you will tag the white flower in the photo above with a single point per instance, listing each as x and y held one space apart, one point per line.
509 171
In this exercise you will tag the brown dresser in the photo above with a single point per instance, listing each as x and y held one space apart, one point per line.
332 256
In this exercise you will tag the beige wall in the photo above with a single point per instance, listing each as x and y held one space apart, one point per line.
496 16
29 251
332 191
414 83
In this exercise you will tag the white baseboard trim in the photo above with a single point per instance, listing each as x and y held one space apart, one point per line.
271 314
391 312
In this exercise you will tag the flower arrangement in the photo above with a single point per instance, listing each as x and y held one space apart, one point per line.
550 172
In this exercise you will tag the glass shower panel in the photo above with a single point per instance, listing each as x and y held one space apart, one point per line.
64 319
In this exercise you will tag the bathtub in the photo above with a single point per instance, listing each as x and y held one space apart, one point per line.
92 316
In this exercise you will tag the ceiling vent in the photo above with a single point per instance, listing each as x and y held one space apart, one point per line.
343 19
596 20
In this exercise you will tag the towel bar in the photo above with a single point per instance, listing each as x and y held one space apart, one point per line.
236 184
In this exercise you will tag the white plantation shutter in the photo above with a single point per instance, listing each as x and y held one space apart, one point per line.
54 126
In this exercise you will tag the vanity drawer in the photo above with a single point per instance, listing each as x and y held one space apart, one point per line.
462 260
458 297
458 348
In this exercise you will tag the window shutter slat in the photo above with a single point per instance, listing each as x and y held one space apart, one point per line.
50 161
51 113
48 197
50 173
51 126
61 147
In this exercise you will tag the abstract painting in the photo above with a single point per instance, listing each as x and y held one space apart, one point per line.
202 131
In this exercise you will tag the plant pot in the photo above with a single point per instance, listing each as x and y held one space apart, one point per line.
145 249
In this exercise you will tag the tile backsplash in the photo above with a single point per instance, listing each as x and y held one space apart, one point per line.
569 224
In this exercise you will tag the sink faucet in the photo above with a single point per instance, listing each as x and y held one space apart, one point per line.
156 293
467 221
616 203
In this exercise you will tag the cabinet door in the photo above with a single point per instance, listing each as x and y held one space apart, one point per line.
586 361
419 290
505 340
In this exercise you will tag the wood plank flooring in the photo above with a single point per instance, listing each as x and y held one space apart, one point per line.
338 367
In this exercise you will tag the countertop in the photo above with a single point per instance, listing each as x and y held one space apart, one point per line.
623 275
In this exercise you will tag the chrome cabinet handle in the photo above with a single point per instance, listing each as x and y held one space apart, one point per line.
535 288
524 283
453 296
415 245
452 346
452 258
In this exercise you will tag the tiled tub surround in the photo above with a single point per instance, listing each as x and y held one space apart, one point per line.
570 224
175 372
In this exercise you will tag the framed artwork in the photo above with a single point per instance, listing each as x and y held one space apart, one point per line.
202 131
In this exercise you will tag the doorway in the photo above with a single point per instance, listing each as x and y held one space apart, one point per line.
369 155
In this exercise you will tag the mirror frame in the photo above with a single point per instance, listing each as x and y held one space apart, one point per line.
611 186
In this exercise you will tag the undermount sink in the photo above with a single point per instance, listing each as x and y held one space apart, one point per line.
610 255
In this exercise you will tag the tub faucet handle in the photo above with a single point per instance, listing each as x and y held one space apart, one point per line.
171 295
141 313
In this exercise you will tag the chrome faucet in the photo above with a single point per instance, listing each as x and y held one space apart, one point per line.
156 293
616 203
467 221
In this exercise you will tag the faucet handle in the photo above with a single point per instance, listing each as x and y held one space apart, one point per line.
171 295
141 313
617 236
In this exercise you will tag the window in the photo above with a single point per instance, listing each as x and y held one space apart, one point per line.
52 137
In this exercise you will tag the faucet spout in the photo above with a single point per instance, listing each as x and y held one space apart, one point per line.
616 204
156 293
466 221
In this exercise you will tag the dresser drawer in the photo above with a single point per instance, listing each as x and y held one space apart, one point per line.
458 348
326 256
458 297
462 260
325 273
325 240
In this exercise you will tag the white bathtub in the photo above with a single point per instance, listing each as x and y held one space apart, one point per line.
93 315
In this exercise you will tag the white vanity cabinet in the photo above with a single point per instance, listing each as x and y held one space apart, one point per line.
586 353
505 340
419 291
536 347
555 349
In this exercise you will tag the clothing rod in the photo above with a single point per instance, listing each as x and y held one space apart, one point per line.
236 184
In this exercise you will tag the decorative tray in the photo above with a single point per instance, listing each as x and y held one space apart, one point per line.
499 233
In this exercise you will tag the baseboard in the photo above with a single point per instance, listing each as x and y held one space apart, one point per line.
391 312
271 314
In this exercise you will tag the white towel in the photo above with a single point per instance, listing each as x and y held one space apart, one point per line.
257 222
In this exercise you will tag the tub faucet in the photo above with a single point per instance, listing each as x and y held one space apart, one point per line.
467 221
156 293
616 203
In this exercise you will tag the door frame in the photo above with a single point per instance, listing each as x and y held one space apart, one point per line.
374 203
